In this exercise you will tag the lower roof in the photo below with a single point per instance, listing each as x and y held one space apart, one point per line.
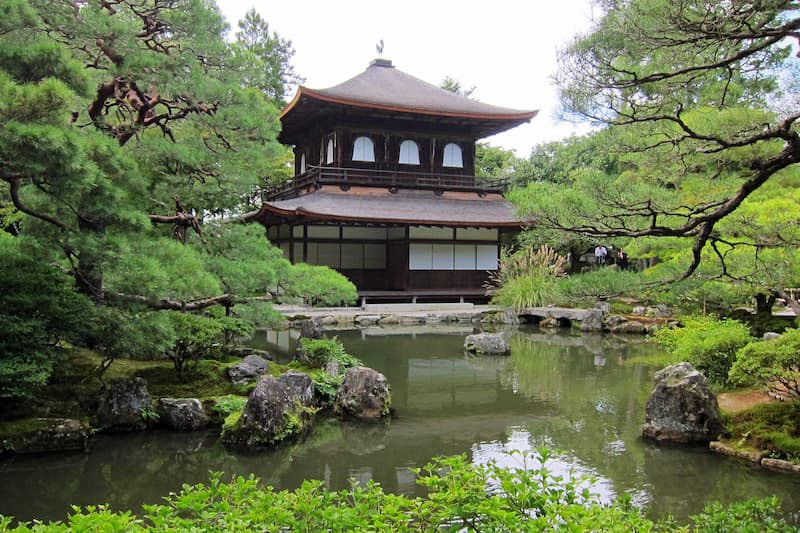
372 205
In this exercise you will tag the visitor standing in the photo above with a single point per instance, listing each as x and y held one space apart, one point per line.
600 253
622 259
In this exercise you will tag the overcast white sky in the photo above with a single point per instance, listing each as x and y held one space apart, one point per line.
505 48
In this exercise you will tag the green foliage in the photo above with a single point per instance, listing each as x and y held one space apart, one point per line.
527 278
774 363
225 405
710 345
692 159
316 353
318 286
129 140
772 427
751 516
601 283
462 496
39 310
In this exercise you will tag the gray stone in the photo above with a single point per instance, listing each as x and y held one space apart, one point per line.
500 316
47 435
301 386
124 404
310 329
771 336
662 311
329 320
592 320
487 344
332 367
270 415
251 368
549 322
389 320
682 407
603 306
364 395
183 414
367 320
639 310
628 327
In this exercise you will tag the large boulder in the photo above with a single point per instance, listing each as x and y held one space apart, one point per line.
300 385
487 344
682 407
250 369
364 395
125 404
183 414
41 435
270 415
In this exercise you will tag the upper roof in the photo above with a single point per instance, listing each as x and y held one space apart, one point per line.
369 205
382 87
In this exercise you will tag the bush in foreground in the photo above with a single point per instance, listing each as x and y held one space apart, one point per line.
461 497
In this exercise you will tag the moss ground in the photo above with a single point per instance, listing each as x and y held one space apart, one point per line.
772 427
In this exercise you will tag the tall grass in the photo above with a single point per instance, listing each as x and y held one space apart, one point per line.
527 278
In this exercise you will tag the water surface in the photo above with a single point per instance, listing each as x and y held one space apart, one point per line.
579 394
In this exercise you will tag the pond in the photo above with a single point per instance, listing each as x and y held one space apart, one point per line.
583 395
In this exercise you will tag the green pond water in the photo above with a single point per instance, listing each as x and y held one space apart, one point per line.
580 394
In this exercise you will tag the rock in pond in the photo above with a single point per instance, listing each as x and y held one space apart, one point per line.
487 344
364 395
592 320
41 435
271 414
300 385
251 368
183 414
682 407
125 405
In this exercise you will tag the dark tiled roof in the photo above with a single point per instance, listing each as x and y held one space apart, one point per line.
379 206
381 87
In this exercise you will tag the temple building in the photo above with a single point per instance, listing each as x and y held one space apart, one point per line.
384 188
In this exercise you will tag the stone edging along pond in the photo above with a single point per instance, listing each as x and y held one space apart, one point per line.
588 320
755 456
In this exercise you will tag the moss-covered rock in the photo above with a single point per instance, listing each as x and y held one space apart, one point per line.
272 413
38 435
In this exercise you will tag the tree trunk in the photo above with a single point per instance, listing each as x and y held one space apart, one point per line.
89 275
764 303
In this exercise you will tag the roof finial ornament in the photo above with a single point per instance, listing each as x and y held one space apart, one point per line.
379 48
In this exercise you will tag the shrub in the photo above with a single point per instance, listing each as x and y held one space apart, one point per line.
317 352
775 363
710 345
461 496
318 286
601 283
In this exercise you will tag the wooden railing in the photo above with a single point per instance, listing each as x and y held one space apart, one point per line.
345 178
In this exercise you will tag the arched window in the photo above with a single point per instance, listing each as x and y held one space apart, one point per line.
409 153
329 152
452 156
302 163
363 149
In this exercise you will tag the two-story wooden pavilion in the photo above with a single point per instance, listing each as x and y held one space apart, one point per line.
384 189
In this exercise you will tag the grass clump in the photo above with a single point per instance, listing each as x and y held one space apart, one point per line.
771 427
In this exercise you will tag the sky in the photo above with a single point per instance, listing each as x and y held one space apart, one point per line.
506 49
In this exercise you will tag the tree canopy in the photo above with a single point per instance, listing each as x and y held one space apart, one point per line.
133 130
688 93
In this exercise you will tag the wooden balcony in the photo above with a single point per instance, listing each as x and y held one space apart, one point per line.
345 178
